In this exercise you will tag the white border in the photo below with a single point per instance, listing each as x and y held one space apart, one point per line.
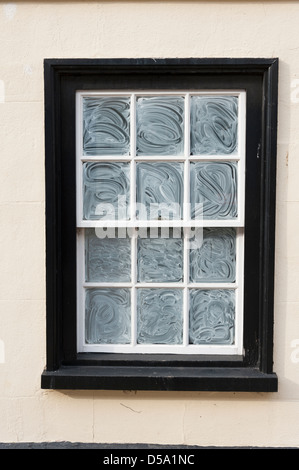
186 222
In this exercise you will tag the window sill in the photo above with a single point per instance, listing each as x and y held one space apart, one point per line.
204 379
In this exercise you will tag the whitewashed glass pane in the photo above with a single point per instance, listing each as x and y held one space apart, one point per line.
106 125
212 316
159 191
214 125
106 190
160 125
159 316
108 316
213 190
215 259
107 259
160 259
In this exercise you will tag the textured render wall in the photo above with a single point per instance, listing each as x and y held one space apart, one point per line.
30 32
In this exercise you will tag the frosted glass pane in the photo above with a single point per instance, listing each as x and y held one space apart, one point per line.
106 190
107 259
160 125
215 259
214 125
106 126
160 316
212 316
213 190
160 259
108 316
159 190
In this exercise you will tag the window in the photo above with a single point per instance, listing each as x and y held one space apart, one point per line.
160 213
160 179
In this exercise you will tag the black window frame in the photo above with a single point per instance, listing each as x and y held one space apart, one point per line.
67 369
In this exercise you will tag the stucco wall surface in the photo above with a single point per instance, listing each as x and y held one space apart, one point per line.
30 32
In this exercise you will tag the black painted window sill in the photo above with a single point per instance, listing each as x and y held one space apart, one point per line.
235 379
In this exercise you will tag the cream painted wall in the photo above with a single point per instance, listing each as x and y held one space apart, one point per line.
30 32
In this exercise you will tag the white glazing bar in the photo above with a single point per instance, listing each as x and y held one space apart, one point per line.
242 155
79 152
157 158
187 125
240 290
219 91
232 157
161 223
79 125
186 289
107 284
133 289
186 218
104 158
186 208
239 322
80 232
162 349
164 285
96 93
133 218
80 290
215 285
133 154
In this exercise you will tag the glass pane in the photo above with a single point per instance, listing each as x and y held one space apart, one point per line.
159 190
160 259
107 259
212 316
160 125
213 190
106 126
108 316
215 259
214 125
160 316
106 190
